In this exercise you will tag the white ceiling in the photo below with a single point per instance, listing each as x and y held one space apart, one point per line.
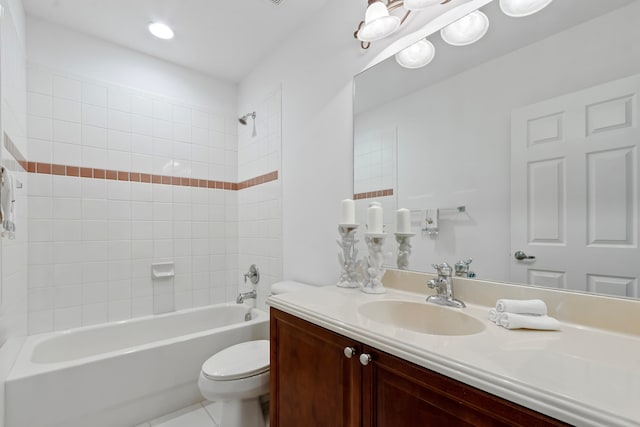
222 38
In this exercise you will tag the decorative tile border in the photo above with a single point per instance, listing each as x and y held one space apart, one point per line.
372 194
113 175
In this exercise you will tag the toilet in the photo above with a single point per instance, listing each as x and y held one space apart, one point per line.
238 375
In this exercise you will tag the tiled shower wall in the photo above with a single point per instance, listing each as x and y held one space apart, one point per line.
260 207
92 239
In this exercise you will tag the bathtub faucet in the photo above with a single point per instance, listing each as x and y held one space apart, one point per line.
246 295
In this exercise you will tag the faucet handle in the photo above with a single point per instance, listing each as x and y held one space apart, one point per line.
443 269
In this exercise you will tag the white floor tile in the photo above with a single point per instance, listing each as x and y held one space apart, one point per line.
213 408
192 416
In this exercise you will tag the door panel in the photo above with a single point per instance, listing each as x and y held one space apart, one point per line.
574 190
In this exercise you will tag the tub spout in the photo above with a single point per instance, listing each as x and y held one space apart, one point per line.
246 295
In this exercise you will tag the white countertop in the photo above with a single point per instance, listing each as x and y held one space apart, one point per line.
583 376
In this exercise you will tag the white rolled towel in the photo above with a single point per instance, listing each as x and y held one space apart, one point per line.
524 321
493 315
530 306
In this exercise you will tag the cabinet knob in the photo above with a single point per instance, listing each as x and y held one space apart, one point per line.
365 359
349 352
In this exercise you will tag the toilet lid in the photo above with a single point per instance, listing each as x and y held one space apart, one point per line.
238 361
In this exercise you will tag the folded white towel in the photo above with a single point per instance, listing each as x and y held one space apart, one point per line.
493 315
7 205
531 306
524 321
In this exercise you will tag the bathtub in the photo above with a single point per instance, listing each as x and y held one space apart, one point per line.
122 373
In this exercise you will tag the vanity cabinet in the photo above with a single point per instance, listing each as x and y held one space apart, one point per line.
314 382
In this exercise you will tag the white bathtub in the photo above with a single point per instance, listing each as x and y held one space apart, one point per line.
121 374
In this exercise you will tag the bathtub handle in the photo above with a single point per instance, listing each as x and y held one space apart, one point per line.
349 352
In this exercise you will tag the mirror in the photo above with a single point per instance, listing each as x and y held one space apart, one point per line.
526 141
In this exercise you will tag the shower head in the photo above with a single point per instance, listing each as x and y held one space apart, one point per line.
243 119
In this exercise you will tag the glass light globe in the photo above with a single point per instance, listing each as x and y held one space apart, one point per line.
417 55
420 4
466 30
378 24
520 8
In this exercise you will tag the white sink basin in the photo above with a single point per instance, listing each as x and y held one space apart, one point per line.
423 317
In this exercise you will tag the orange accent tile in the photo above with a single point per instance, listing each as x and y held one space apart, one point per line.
99 173
123 176
86 172
134 177
112 175
185 182
211 184
219 184
234 186
166 179
145 177
193 182
156 179
31 167
73 171
58 169
202 183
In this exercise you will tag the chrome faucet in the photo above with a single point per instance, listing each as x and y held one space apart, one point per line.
442 285
246 295
462 268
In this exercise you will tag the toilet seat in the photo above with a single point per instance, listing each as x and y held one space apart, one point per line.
238 361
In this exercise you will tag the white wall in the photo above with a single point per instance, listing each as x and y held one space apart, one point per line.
13 253
316 66
260 207
454 136
96 105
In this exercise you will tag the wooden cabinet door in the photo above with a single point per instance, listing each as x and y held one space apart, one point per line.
312 382
399 393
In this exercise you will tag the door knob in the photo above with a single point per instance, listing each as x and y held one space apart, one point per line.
365 359
349 352
519 255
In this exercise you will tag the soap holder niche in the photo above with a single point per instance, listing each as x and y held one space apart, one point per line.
162 270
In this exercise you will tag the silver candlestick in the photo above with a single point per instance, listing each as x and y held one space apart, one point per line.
373 271
404 249
350 277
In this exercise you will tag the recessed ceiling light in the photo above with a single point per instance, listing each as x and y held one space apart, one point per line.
160 30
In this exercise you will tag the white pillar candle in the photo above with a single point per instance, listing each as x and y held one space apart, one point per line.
403 221
348 212
374 219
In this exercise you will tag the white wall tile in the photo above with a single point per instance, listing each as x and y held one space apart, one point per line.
94 94
94 116
39 127
67 154
94 157
162 110
141 124
64 109
118 140
94 136
39 80
39 104
120 99
67 132
66 318
119 120
68 88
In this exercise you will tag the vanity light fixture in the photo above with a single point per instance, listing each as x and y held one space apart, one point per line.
160 30
466 30
417 55
520 8
379 23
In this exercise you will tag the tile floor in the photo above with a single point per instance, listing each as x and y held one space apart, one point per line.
203 414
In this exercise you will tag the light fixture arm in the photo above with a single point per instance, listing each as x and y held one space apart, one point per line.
391 6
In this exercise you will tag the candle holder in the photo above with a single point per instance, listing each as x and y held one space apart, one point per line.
404 249
349 278
373 270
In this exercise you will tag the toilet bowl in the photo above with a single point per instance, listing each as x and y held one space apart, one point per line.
236 377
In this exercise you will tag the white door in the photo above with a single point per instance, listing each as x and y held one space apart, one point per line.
574 190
